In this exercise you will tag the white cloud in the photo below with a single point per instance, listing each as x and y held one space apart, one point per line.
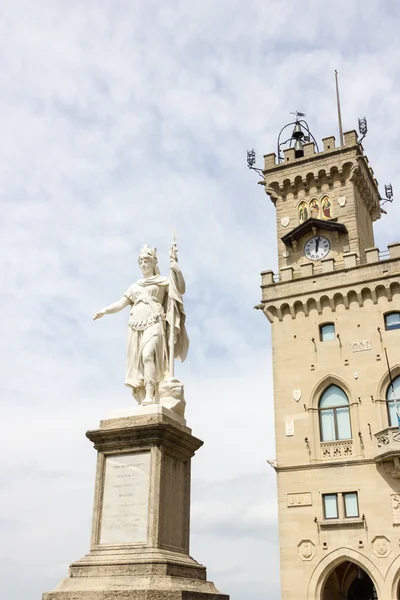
120 121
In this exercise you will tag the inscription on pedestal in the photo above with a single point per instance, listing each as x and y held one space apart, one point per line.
126 499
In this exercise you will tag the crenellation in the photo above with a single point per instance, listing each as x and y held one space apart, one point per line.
394 250
269 160
350 260
309 149
380 280
372 255
329 143
288 155
350 137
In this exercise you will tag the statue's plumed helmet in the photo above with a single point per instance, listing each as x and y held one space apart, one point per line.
149 252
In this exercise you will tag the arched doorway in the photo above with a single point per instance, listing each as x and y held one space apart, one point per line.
348 581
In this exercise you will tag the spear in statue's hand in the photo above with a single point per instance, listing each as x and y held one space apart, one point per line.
173 258
173 253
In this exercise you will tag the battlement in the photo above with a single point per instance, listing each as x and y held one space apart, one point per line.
350 141
288 290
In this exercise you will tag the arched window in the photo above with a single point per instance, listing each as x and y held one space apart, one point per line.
391 394
334 415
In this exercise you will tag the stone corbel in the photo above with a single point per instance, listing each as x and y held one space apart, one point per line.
272 194
268 315
355 169
294 245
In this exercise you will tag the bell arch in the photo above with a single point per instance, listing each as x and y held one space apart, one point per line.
393 575
329 563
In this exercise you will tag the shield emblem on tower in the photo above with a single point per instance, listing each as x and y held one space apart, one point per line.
285 221
297 395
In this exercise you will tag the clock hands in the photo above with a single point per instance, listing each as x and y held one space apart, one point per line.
317 247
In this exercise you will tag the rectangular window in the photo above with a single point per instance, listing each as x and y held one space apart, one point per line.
330 506
350 505
392 321
327 332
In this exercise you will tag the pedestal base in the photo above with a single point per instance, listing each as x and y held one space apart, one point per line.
131 588
140 534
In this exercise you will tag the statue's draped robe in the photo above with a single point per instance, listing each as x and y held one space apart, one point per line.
157 306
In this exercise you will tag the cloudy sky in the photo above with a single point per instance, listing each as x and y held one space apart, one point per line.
121 119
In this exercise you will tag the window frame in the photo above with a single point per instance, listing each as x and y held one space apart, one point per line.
321 326
335 420
391 402
357 516
335 495
392 312
341 508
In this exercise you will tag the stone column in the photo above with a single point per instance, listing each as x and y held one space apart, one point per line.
141 518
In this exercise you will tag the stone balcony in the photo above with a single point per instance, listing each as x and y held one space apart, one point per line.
387 453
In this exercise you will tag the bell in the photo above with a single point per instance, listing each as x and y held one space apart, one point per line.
298 149
297 132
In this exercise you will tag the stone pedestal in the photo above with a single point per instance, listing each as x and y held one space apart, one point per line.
141 518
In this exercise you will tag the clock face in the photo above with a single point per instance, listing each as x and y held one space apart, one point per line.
317 247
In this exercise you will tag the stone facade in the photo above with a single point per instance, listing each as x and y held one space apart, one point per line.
352 289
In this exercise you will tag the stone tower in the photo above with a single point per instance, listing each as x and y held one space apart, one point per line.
334 308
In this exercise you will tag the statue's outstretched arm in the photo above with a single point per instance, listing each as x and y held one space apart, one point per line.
113 308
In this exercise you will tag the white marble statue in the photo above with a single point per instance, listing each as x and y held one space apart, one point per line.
156 332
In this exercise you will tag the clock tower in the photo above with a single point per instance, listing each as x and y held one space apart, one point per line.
334 309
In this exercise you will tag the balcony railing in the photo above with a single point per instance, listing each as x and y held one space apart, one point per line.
337 449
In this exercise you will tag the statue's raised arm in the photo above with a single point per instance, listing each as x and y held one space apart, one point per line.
156 331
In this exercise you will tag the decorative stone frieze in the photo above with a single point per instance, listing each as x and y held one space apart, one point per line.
302 499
